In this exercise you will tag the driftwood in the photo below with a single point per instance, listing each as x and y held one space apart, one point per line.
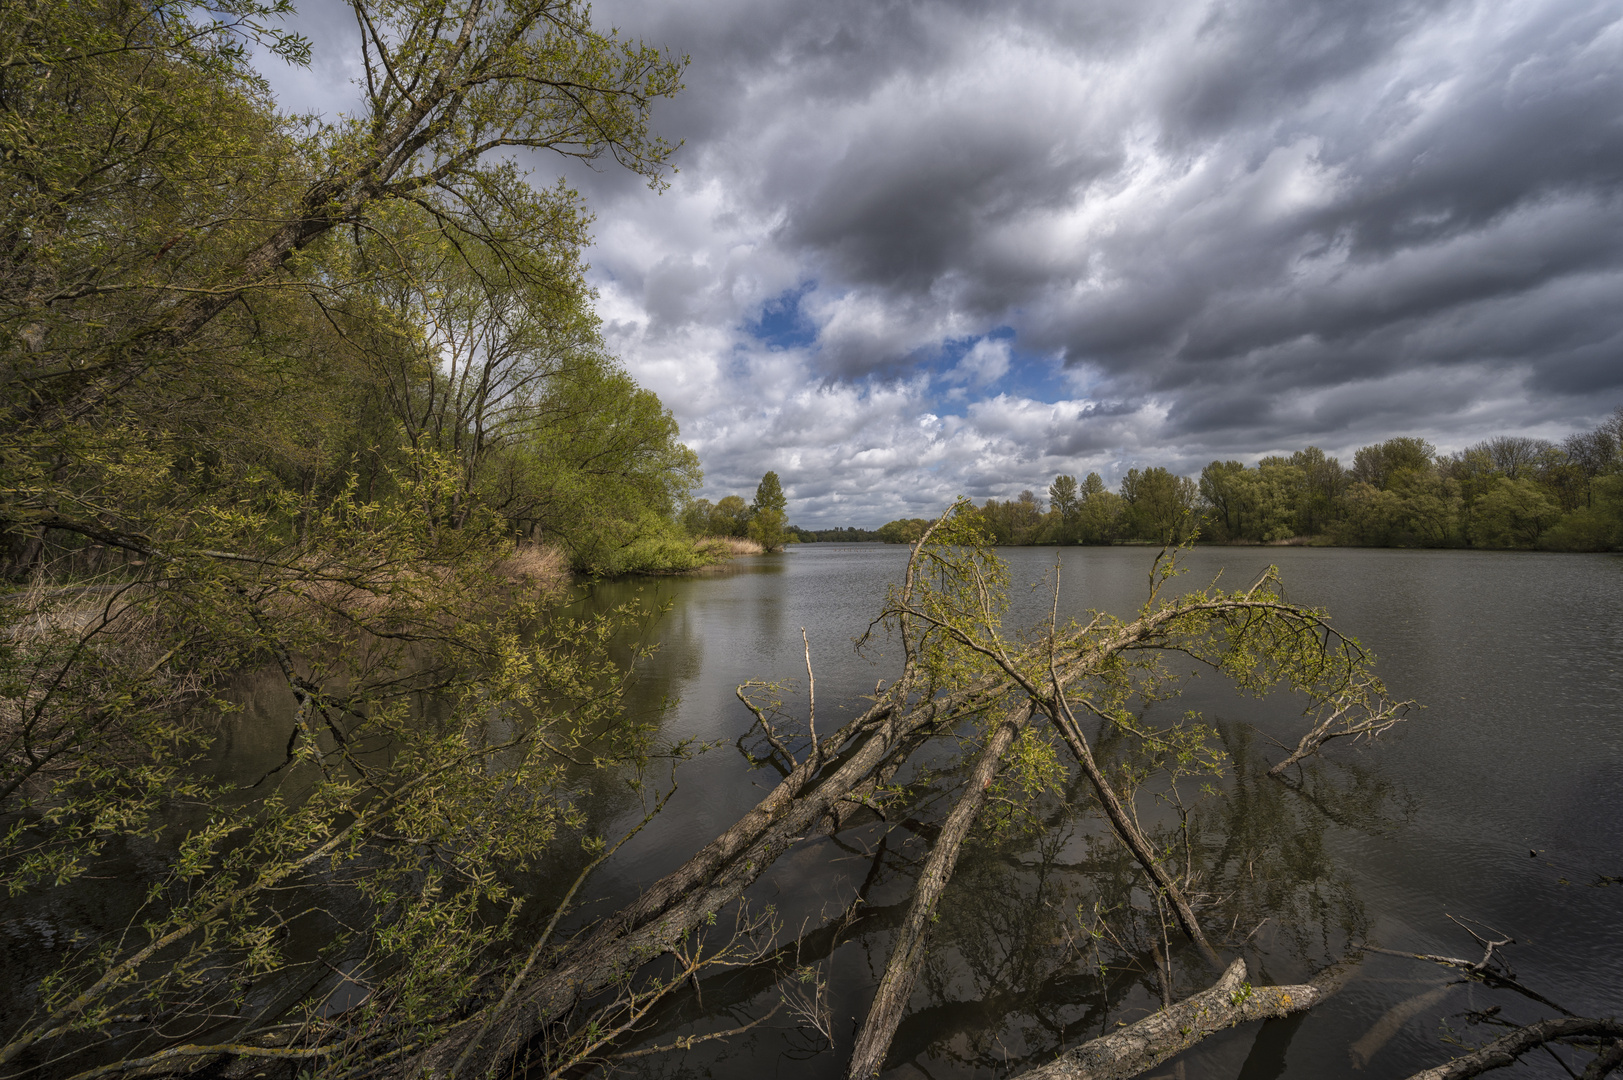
1493 970
1145 1044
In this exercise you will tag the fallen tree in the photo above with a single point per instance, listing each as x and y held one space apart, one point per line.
1601 1036
958 669
566 1001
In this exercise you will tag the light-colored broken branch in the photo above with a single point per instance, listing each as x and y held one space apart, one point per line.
1141 1046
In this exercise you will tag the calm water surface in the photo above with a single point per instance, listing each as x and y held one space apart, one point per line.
1499 803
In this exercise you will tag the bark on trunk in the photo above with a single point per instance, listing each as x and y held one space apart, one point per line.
712 879
896 986
1141 1046
1135 841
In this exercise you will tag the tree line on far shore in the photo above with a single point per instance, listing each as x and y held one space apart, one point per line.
1504 492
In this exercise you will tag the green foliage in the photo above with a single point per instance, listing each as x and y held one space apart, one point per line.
768 514
1384 466
1261 504
949 612
769 495
903 530
1160 506
1102 513
729 517
1065 507
1013 521
279 397
768 527
1513 513
1503 492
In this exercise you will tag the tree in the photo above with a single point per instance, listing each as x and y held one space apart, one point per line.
451 92
1513 456
731 517
1380 466
279 398
696 516
1101 514
903 530
768 528
1014 701
1513 513
1065 503
1323 483
1159 503
1220 493
768 522
769 495
1014 521
1277 490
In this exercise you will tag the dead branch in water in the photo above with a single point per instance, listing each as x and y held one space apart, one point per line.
1494 970
1139 1047
1507 1050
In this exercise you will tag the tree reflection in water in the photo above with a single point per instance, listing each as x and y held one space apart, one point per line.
1047 936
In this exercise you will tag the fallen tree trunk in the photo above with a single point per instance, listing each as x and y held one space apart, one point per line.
1122 823
907 955
1141 1046
713 878
893 728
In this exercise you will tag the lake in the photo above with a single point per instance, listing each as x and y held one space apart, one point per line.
1497 805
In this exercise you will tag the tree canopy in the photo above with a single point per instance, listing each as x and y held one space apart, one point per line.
325 404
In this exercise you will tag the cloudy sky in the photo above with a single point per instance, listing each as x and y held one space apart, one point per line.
918 249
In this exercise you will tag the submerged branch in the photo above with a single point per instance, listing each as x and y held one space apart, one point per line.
1506 1050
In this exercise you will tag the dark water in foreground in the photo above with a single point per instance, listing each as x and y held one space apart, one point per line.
1517 657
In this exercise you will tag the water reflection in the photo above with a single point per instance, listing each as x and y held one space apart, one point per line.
1047 937
1378 842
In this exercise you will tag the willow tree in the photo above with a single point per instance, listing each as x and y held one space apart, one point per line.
202 473
161 239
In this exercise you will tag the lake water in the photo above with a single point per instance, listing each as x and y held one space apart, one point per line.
1499 802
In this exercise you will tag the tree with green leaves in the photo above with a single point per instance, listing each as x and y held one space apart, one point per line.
1065 504
1383 465
1101 513
729 517
1013 701
278 398
769 495
769 514
1222 496
1513 513
1160 505
903 530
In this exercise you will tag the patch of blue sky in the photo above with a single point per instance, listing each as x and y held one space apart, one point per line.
782 324
960 376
